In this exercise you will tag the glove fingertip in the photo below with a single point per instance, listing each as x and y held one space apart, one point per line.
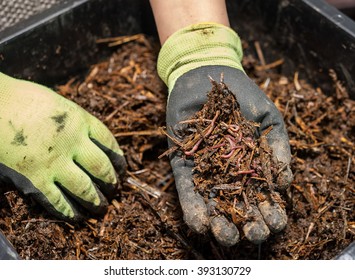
192 205
195 214
255 230
282 158
119 163
225 232
118 160
284 179
108 189
274 215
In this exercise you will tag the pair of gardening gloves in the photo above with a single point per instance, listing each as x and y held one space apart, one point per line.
66 159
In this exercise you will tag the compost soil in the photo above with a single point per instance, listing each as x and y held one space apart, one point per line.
144 221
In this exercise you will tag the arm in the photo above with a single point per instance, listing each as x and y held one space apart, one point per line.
170 16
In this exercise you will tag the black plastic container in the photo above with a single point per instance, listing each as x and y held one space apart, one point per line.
49 47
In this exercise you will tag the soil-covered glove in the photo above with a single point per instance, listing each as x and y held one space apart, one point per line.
54 150
7 251
185 61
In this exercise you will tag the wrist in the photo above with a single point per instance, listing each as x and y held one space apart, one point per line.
198 45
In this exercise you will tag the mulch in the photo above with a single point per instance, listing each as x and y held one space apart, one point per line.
144 221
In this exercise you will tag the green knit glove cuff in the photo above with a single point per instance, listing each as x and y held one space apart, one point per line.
198 45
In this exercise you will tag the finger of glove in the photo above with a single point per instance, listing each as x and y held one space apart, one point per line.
192 204
281 150
79 186
104 139
256 230
98 166
225 232
44 191
274 215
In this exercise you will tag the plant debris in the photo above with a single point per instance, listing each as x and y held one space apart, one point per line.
145 221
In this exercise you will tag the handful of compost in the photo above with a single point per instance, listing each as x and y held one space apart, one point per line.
234 169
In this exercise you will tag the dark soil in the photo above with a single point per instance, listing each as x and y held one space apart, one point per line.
144 221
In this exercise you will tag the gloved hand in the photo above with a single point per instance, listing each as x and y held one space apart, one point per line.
54 150
185 61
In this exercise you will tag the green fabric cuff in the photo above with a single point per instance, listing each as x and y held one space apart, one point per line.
198 45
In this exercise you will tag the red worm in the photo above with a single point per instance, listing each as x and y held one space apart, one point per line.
208 132
245 171
194 148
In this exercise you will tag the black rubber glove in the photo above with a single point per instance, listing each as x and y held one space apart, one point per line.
7 251
188 87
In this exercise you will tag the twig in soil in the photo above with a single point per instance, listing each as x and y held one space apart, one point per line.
91 75
173 139
110 116
138 133
340 90
259 52
136 183
42 221
347 169
104 222
310 228
116 204
325 208
266 84
231 187
94 231
343 214
116 41
270 65
296 82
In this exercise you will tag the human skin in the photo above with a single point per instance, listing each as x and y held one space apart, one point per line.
172 15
